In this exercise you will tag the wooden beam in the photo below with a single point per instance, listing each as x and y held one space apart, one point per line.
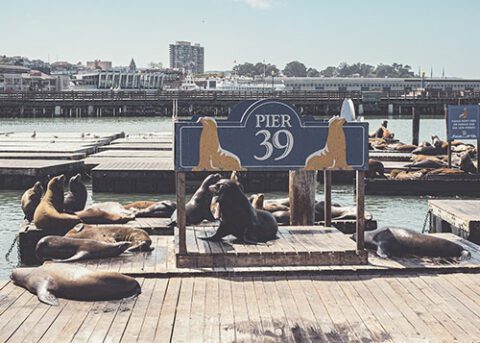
449 152
302 197
360 210
415 127
181 215
327 189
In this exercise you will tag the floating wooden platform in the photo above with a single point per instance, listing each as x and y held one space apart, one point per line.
42 156
29 235
304 308
161 262
23 173
137 146
390 155
461 217
295 246
435 185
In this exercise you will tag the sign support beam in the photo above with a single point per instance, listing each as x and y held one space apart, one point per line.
302 197
181 214
360 210
327 189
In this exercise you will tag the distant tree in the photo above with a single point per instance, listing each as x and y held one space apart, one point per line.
312 72
245 69
257 69
295 69
329 71
155 65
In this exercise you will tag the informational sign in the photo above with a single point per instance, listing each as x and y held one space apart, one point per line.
463 122
269 135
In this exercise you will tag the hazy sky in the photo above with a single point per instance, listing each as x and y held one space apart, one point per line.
421 33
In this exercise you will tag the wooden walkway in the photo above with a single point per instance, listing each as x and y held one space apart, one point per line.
306 308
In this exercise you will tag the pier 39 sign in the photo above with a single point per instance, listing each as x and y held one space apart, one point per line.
269 135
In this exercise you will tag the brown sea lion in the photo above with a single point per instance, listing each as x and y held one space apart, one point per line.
53 280
402 147
76 198
396 241
427 163
375 168
258 202
466 164
139 205
430 150
31 199
446 171
438 143
238 217
197 208
407 175
109 212
160 209
66 249
49 213
139 239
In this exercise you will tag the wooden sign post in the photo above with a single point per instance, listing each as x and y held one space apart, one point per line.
270 135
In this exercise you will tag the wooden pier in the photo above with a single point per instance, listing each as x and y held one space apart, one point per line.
461 217
305 308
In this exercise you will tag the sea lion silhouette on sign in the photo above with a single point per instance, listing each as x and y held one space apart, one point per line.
464 115
334 154
211 155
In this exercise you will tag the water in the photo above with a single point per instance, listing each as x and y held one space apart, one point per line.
407 211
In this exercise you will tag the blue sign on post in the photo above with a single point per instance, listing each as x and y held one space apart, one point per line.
463 122
269 135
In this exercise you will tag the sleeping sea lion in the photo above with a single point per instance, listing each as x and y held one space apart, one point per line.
466 164
431 163
53 280
139 205
31 199
258 202
76 198
238 217
109 212
160 209
49 213
396 241
66 249
138 238
197 208
375 168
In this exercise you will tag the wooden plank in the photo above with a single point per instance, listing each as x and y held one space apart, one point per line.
180 330
16 314
258 332
227 318
211 324
244 329
53 312
150 322
196 318
132 330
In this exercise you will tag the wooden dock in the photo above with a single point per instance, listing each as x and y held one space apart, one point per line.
306 308
295 246
446 185
461 217
23 173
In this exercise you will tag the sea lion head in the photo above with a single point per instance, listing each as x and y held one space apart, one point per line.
19 275
37 188
211 179
257 201
207 121
337 121
224 186
75 182
56 184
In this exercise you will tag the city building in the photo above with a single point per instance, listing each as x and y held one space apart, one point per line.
117 80
187 57
336 84
97 64
22 79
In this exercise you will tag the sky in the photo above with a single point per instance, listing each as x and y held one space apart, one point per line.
424 34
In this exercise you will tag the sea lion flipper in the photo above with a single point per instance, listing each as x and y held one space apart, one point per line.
78 256
381 252
45 296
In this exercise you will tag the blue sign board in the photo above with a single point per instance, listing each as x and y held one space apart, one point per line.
463 122
269 135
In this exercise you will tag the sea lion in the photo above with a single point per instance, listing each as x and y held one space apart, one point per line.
53 280
258 202
48 214
31 199
239 218
160 209
197 208
379 133
429 150
402 147
446 171
139 205
66 249
139 239
375 168
407 175
466 164
396 241
427 163
438 143
109 212
76 198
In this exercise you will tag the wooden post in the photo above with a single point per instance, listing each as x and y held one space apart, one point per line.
449 153
360 210
181 216
415 127
302 197
327 189
478 155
